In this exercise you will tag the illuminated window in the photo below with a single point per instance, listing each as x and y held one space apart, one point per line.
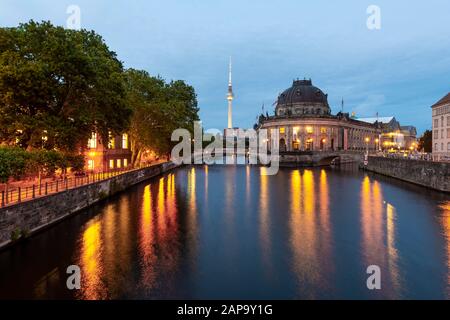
119 163
92 142
125 141
111 142
111 164
90 164
125 163
295 131
309 130
323 130
282 130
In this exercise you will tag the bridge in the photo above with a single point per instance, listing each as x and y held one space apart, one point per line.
319 158
298 158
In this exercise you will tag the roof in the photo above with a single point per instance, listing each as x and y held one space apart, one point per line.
375 119
410 129
444 100
302 91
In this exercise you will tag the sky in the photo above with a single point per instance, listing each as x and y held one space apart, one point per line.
399 70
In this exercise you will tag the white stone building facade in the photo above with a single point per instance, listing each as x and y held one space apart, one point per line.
441 129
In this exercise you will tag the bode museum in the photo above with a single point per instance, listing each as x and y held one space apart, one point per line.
305 123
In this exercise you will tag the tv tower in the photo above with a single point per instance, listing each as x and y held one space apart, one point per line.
230 98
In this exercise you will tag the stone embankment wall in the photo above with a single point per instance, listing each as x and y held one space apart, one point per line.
23 219
435 175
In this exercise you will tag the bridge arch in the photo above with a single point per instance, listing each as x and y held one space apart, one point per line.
326 161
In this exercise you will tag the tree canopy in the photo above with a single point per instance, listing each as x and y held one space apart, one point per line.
425 141
58 84
158 109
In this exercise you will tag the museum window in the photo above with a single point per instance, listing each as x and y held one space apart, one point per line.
111 164
282 130
448 132
309 129
436 123
436 134
125 163
448 146
323 130
119 164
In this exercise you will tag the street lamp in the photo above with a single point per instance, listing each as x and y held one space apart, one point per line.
367 144
376 144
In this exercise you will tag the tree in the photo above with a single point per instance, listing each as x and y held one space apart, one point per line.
158 109
59 85
12 163
425 141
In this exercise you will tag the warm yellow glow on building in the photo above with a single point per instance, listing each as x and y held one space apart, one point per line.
91 164
92 142
309 129
282 130
125 141
111 141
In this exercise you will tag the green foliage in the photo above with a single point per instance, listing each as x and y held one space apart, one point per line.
43 161
75 162
60 84
16 162
425 141
158 109
16 234
13 163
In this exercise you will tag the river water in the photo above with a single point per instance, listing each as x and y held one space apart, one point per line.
230 232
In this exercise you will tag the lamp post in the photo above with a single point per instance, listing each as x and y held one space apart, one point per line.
367 145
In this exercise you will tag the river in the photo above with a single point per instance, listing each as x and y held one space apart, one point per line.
211 232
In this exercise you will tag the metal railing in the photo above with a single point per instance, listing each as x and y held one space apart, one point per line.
20 194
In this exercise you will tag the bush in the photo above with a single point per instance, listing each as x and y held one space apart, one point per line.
16 162
13 163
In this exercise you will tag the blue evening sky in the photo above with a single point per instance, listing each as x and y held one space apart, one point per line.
400 70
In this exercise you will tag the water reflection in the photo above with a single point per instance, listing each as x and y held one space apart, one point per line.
233 232
310 232
264 219
445 218
91 263
147 241
379 247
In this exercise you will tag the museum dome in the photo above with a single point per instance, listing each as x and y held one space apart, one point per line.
302 98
